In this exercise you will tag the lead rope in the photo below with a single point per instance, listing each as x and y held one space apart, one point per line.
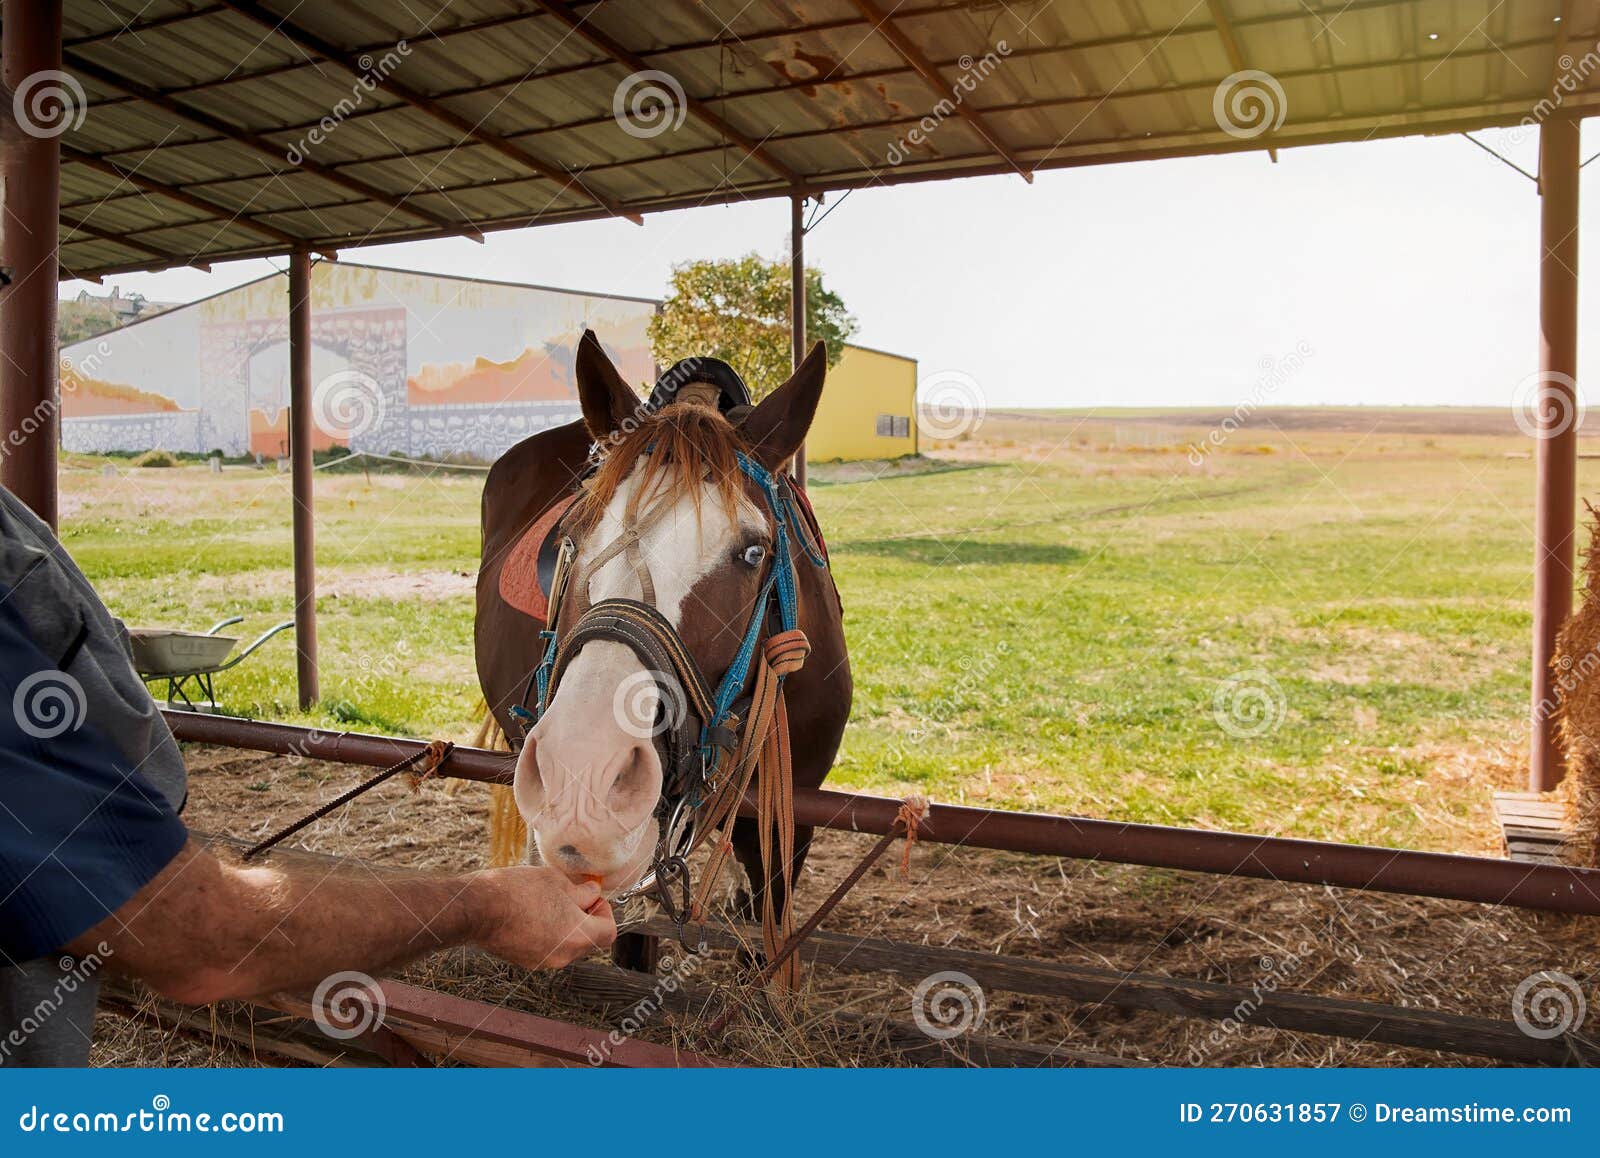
908 822
430 757
763 755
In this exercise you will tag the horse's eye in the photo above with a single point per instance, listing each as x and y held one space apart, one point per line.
752 555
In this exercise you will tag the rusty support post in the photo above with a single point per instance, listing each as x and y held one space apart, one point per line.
300 464
1557 442
797 304
29 399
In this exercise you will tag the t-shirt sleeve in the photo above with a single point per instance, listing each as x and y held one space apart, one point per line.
81 828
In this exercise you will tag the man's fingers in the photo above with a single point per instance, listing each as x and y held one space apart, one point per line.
600 930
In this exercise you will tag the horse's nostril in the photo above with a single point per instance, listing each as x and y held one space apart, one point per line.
568 852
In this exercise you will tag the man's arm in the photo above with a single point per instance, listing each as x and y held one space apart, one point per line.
206 928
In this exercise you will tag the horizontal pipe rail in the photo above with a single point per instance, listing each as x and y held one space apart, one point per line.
1448 876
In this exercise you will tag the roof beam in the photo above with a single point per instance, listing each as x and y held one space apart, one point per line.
212 209
1230 45
422 102
702 112
94 231
919 62
257 143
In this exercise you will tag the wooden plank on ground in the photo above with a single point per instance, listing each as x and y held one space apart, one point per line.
594 984
1185 997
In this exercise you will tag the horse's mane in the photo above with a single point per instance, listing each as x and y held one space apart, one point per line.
683 445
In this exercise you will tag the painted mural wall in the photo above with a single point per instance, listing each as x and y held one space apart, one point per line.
402 363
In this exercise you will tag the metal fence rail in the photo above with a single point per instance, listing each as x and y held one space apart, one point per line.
1482 880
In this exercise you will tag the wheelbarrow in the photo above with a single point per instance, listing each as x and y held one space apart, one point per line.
188 660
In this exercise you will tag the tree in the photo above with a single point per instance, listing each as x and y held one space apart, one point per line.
738 310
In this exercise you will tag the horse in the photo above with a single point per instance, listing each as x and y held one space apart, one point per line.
691 514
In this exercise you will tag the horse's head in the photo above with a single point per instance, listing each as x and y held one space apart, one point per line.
673 521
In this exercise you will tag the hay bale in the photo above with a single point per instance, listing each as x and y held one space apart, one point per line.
1578 708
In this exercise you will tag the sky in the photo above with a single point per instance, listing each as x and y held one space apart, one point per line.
1386 272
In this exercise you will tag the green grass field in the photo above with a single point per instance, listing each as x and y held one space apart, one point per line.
1317 632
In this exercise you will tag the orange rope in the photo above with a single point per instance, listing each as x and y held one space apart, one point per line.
912 811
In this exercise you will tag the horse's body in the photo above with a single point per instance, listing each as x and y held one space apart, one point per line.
541 473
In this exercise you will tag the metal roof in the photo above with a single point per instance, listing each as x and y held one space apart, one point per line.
208 131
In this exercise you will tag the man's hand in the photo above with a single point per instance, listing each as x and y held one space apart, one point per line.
541 920
207 928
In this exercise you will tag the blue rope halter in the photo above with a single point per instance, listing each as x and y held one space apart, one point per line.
779 586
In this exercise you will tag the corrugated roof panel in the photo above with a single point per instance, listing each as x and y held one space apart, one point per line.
827 96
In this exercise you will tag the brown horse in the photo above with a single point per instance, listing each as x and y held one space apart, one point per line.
668 519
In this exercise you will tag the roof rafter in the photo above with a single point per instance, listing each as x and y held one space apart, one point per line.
212 209
923 67
422 102
1230 45
79 226
258 143
580 27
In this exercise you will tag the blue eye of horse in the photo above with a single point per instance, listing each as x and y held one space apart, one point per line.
752 555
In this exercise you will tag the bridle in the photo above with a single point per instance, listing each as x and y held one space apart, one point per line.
723 733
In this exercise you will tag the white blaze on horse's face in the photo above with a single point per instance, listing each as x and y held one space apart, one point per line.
588 780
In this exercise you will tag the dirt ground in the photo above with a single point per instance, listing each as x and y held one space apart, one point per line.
1406 951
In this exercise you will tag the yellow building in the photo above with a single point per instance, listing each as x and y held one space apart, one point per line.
868 408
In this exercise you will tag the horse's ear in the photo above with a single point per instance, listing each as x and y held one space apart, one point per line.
776 428
606 399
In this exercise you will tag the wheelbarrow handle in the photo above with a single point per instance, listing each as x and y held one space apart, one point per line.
221 623
257 642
